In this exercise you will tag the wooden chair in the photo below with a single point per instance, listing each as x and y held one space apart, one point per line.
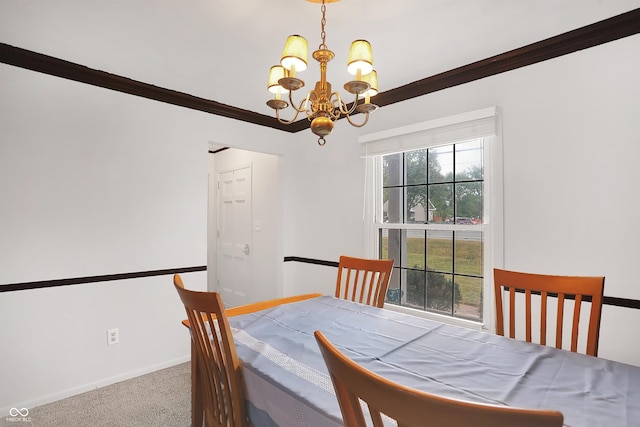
411 407
217 364
579 288
363 280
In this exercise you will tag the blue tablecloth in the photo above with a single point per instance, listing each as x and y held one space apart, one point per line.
288 384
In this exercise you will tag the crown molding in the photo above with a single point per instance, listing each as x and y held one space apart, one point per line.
611 29
605 31
50 65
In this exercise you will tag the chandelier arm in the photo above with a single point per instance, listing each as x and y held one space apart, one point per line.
287 122
353 106
299 108
366 119
343 106
311 100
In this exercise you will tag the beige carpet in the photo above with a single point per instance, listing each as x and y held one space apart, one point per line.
160 398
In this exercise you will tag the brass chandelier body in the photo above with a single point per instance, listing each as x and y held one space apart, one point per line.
322 106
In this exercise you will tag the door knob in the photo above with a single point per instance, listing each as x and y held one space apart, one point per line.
246 249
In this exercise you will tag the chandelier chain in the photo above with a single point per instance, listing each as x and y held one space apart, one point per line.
323 22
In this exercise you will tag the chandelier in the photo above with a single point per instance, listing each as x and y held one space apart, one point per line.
322 106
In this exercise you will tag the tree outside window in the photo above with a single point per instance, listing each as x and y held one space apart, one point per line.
436 195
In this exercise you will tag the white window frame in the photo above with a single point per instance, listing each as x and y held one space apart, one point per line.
485 124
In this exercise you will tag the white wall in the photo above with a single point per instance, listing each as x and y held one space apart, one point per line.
323 207
571 147
94 182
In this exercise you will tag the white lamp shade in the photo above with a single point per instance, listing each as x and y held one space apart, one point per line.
360 58
276 73
295 53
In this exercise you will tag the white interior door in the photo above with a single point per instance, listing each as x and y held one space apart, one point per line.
234 267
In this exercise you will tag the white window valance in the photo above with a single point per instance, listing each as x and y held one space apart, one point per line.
461 127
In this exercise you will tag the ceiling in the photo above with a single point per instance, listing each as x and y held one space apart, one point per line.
221 50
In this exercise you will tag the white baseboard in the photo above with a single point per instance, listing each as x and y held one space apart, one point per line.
63 394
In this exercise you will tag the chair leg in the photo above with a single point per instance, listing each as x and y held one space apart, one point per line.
197 396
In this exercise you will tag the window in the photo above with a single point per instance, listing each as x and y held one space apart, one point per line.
435 193
431 203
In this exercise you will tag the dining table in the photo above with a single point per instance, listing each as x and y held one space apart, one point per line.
287 382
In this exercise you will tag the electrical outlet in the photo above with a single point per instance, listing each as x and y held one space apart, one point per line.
113 336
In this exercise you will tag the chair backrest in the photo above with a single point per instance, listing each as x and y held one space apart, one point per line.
579 288
410 407
363 280
217 362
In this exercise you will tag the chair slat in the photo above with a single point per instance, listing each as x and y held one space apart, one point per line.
528 314
366 285
576 323
512 312
499 311
543 319
372 286
347 283
355 283
560 320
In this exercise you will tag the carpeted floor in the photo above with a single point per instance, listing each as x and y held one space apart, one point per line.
158 399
